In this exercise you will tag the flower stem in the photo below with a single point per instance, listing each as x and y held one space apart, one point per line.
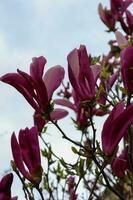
40 192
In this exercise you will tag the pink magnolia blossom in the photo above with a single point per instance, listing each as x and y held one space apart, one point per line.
107 17
115 127
121 164
26 152
82 76
127 68
118 7
5 187
38 88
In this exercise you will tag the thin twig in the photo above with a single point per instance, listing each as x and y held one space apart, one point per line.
106 180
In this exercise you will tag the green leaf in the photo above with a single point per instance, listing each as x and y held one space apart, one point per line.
44 153
74 150
63 162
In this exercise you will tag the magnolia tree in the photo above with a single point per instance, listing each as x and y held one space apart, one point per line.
97 86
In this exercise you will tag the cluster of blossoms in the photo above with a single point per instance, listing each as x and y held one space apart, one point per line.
98 86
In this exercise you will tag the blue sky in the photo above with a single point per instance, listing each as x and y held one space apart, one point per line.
51 28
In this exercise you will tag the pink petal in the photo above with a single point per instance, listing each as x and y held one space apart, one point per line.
28 139
5 184
37 67
36 89
119 108
96 69
33 138
58 114
116 127
74 82
121 164
129 16
121 40
17 155
73 71
127 71
112 79
26 151
53 78
86 78
18 82
101 12
73 62
64 102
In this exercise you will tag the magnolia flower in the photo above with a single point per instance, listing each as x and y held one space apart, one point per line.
115 127
118 7
127 68
82 76
5 187
121 164
107 17
38 88
26 152
83 79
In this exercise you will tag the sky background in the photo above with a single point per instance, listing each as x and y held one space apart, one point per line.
51 28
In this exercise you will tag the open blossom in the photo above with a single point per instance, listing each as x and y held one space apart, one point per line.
5 187
121 164
115 127
82 75
38 88
127 68
26 152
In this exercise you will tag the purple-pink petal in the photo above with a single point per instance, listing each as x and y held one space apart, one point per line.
5 184
73 62
129 16
37 67
52 79
121 164
58 113
121 40
86 77
112 79
28 140
127 69
96 69
115 127
64 102
18 159
18 82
